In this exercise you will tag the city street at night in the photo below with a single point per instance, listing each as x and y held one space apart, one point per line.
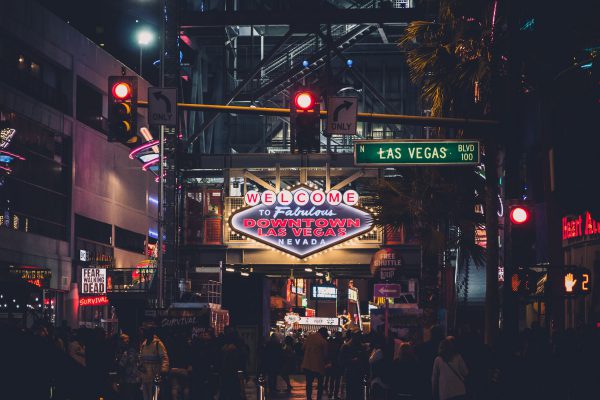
299 199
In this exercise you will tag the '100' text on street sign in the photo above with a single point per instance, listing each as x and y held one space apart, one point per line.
391 153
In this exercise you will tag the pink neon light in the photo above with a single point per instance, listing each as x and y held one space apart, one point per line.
8 153
8 169
149 163
494 20
148 136
142 147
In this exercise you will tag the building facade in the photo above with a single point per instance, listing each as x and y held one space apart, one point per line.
68 197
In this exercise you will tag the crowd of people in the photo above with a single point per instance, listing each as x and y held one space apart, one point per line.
350 365
61 363
89 364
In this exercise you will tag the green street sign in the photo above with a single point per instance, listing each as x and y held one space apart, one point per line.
392 153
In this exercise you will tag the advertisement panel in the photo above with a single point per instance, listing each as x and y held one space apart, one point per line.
301 221
324 292
93 281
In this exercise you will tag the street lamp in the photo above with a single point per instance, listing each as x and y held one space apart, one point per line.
144 38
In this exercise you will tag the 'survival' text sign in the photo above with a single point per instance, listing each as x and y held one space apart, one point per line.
384 153
301 221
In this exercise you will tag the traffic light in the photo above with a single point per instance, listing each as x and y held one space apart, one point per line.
527 282
522 236
576 281
305 120
122 109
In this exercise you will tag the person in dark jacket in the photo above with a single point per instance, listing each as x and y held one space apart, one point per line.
271 361
334 371
204 361
354 360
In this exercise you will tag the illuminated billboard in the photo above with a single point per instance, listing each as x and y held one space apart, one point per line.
301 221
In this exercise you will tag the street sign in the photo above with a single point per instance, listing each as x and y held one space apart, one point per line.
341 115
390 153
162 106
389 290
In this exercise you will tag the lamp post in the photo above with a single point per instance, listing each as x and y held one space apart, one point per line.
144 38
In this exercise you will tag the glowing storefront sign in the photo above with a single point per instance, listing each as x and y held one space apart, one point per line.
319 321
577 227
324 292
301 221
93 301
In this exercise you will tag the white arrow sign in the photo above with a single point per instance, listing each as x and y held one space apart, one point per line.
341 115
162 106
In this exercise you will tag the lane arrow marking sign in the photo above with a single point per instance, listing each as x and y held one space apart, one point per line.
345 105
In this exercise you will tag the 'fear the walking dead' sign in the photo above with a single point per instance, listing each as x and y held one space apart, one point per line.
301 221
93 281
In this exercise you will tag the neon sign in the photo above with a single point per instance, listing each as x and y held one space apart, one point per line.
301 221
575 227
93 301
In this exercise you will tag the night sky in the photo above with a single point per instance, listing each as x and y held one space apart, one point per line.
112 24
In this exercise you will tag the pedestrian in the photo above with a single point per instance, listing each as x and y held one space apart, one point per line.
405 373
315 360
179 372
76 349
272 360
449 373
204 355
334 370
127 368
154 361
232 364
288 363
354 360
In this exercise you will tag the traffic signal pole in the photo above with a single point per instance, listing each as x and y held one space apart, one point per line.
367 117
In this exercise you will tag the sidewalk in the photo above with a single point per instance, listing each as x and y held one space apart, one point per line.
298 389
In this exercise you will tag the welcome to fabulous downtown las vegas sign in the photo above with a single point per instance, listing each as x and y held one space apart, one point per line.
301 221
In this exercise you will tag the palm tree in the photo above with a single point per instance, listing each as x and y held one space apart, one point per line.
453 60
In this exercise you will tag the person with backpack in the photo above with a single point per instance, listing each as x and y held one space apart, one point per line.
449 373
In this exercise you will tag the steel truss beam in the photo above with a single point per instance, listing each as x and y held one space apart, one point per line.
334 16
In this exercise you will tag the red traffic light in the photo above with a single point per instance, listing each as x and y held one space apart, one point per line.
121 91
519 215
304 100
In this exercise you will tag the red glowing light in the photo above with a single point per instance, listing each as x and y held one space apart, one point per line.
304 100
519 215
121 91
93 301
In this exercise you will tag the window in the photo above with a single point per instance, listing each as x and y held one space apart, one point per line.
90 229
203 214
89 106
26 70
130 241
34 197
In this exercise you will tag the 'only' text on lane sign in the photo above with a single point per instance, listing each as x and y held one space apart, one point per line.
162 106
341 115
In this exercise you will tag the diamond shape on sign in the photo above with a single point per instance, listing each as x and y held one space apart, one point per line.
301 230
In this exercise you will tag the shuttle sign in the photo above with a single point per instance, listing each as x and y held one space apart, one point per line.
301 221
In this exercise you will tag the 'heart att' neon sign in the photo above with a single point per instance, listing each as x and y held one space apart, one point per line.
301 221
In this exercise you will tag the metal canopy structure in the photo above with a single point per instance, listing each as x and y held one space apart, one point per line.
302 17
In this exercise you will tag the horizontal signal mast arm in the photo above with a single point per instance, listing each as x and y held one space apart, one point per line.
367 117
